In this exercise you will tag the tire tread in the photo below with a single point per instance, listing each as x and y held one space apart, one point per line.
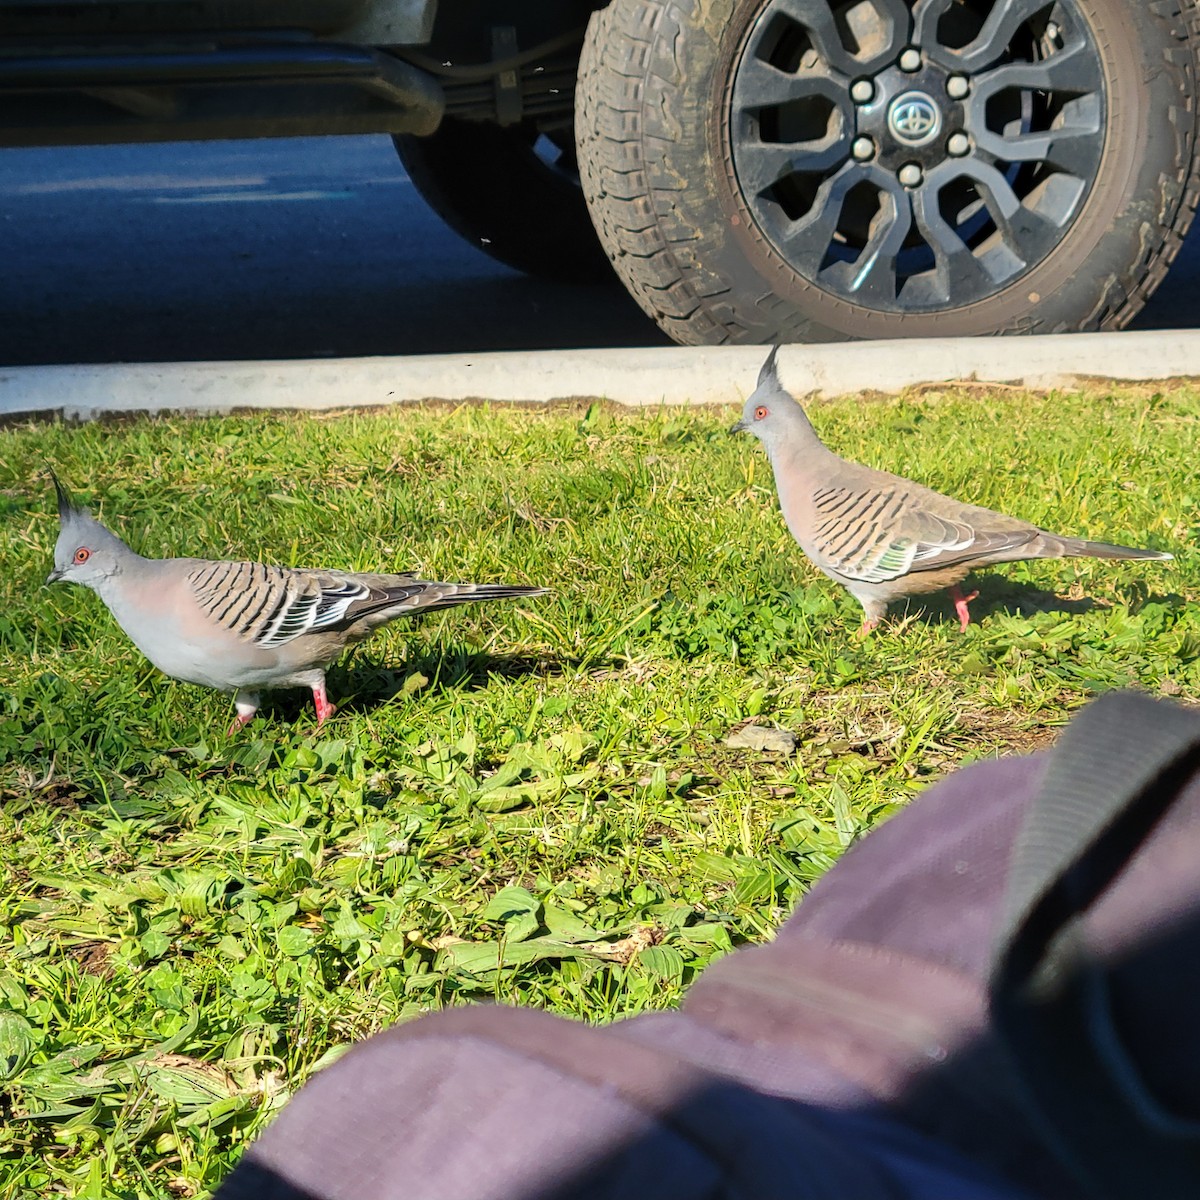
629 98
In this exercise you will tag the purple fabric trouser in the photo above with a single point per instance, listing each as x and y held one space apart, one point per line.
856 1056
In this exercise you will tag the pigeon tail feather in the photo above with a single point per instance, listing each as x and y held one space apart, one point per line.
482 591
1081 548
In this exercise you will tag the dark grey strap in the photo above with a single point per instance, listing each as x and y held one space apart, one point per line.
1117 769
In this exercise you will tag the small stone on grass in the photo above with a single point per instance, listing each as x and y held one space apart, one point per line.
759 737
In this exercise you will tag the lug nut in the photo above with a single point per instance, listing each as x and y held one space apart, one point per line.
957 86
959 144
910 61
863 149
911 175
862 91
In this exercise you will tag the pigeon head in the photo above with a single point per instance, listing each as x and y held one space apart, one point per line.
85 552
771 414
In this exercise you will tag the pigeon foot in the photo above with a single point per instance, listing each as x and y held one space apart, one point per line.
324 707
240 722
960 606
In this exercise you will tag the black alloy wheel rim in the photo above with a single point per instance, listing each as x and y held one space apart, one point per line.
916 158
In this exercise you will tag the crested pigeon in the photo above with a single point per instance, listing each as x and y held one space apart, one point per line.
880 536
243 627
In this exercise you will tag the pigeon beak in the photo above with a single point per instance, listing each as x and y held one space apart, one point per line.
54 576
740 427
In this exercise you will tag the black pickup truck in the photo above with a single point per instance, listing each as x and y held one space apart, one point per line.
753 170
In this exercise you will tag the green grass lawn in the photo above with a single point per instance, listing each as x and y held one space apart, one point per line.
528 802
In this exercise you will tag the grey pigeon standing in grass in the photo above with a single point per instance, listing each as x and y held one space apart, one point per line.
243 627
882 537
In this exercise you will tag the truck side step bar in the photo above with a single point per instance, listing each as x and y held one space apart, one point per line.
193 89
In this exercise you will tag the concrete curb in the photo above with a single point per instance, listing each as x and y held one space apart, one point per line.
639 378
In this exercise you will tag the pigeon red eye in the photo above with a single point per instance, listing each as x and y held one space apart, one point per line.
759 413
82 554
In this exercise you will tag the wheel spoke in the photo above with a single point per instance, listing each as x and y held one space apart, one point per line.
1073 71
872 280
761 165
1073 148
1006 17
808 239
1072 151
899 18
1028 234
959 273
816 17
760 85
926 15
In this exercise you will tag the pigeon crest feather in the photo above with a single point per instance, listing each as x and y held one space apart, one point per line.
86 552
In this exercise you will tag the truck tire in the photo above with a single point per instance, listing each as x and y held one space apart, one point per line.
816 170
491 185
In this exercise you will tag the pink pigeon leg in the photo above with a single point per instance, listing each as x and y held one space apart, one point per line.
240 722
246 704
960 606
324 708
873 612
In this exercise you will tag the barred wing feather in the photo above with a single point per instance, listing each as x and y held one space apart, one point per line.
874 536
310 603
271 606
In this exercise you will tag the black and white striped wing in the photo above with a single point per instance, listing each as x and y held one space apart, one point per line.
310 604
270 606
875 535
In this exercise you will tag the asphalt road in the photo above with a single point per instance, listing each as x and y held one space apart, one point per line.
286 249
